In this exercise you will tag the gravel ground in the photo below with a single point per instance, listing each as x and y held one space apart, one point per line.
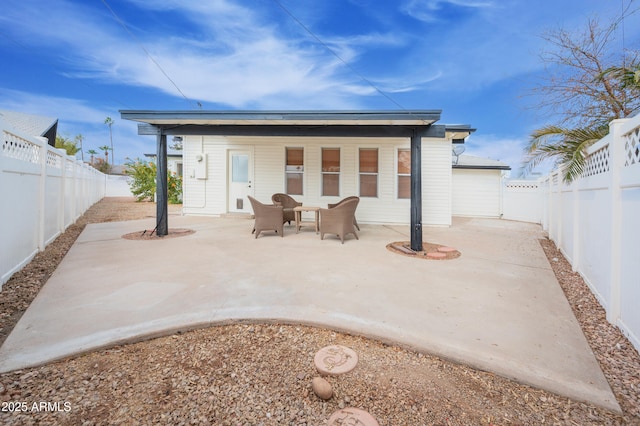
260 374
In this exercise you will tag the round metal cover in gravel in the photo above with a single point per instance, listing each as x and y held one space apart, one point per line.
335 360
352 416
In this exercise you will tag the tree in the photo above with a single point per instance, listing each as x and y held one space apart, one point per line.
143 181
78 141
106 149
176 143
566 146
577 90
92 152
109 122
584 90
67 145
629 76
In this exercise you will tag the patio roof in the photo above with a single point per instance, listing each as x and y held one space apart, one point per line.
297 123
200 117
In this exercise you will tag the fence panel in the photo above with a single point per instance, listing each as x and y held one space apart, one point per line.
521 200
39 189
594 220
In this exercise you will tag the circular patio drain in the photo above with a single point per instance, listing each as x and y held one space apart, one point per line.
429 251
150 235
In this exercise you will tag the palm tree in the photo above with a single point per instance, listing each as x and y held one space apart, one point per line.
629 76
78 140
92 152
567 146
109 122
106 149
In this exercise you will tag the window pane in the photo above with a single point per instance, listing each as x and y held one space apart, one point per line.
369 160
295 156
404 161
240 168
331 160
404 186
331 185
368 185
294 183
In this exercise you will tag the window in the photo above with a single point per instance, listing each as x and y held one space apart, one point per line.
404 173
368 168
294 170
331 172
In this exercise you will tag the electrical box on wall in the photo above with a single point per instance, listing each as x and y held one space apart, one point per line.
201 166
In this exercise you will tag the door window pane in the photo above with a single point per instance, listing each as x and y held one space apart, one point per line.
240 168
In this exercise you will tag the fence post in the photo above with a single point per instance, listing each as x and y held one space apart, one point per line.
42 195
616 158
575 267
63 195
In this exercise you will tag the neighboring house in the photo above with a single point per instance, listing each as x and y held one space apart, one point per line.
318 157
477 186
174 161
31 125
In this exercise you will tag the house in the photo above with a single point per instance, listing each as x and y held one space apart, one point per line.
174 161
477 186
387 158
31 125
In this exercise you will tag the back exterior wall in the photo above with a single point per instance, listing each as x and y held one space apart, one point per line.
209 196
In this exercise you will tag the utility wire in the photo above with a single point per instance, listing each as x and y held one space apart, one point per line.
345 63
121 22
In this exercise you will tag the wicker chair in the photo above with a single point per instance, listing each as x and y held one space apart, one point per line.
339 220
288 204
330 206
268 218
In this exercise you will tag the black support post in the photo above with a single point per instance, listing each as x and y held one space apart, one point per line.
416 192
162 206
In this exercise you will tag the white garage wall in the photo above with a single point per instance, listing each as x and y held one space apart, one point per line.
477 192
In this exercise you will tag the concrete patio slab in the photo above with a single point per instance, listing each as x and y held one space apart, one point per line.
498 307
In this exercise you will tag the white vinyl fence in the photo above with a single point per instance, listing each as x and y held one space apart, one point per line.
43 191
595 221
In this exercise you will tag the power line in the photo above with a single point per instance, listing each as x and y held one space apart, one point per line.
345 63
121 22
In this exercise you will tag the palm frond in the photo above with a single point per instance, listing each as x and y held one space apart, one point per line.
567 146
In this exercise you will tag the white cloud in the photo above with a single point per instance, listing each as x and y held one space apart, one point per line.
508 151
77 117
428 10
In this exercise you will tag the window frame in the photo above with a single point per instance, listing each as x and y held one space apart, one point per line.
323 173
376 174
298 171
398 174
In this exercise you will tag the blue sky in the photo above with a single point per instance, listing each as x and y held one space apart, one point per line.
473 59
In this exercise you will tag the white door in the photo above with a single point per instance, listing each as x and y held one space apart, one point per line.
240 181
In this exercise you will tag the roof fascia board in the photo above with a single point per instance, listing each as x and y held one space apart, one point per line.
432 131
256 117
